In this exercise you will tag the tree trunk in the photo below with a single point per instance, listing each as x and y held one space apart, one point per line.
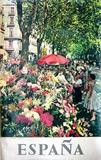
19 10
39 43
25 45
53 49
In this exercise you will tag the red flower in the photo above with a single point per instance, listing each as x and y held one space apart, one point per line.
77 135
34 89
39 110
45 93
47 119
70 133
74 125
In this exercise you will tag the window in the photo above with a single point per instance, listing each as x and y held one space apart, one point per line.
2 10
10 32
12 10
11 20
10 44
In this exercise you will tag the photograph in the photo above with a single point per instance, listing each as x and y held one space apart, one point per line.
50 69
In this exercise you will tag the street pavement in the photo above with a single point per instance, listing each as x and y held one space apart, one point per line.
97 124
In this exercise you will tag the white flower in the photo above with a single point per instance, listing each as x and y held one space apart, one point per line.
55 129
35 115
26 110
24 70
48 102
61 111
64 124
29 84
28 114
67 114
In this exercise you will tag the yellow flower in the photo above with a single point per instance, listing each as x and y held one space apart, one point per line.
12 107
55 79
80 130
2 83
28 102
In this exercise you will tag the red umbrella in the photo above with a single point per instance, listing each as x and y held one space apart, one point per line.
53 59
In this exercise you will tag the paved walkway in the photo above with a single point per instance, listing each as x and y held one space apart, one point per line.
97 124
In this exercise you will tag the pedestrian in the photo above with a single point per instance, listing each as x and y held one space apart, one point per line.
78 89
90 95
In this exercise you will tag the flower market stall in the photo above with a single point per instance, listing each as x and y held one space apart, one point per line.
38 103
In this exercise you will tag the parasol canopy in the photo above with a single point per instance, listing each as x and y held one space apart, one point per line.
53 59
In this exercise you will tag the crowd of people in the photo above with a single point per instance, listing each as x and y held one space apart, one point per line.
54 90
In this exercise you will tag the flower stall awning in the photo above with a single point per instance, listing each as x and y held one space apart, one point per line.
53 59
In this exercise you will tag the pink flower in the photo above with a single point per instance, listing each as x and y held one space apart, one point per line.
24 120
21 82
30 70
47 119
67 109
39 110
73 110
11 79
14 61
21 104
61 132
67 114
23 93
70 88
75 118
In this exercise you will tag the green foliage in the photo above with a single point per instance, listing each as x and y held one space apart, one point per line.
70 25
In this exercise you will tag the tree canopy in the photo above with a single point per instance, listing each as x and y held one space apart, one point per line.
70 26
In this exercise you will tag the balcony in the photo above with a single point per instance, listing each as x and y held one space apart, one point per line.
15 38
9 48
11 25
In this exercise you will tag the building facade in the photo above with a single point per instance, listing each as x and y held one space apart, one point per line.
1 27
13 36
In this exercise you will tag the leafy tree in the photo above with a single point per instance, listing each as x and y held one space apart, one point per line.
70 25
